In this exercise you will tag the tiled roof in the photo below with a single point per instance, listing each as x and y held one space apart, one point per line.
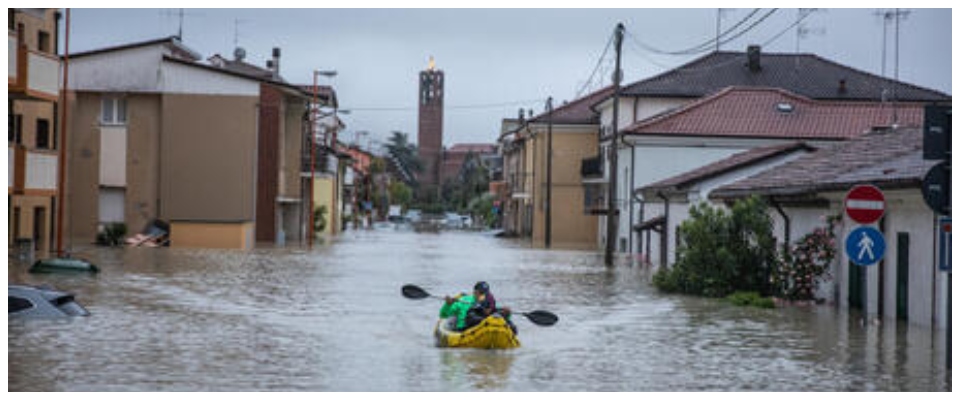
245 68
174 45
806 74
577 112
775 113
733 162
893 158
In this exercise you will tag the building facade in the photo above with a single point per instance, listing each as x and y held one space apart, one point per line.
158 135
33 143
906 283
805 75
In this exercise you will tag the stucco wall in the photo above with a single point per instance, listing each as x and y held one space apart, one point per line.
208 157
216 235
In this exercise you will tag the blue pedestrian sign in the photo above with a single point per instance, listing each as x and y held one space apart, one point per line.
865 245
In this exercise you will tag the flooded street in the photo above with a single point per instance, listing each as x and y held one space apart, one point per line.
333 319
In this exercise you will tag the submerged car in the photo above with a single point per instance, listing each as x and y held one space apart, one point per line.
41 301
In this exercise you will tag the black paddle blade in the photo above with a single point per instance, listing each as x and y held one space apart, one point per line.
414 292
542 318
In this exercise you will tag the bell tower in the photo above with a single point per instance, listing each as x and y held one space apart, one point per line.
430 127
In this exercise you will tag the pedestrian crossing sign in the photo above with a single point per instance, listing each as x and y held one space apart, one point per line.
865 246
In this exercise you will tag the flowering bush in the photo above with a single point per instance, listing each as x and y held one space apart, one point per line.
807 264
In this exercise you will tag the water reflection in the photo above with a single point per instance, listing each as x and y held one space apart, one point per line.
473 369
332 319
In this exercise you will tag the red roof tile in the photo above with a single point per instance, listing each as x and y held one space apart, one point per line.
774 113
893 158
577 112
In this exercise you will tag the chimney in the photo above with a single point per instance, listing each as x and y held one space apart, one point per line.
753 58
276 63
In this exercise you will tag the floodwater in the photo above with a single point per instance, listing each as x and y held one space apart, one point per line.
333 319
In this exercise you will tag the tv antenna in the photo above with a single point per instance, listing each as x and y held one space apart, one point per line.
179 14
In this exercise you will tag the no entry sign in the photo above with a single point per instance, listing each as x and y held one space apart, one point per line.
864 204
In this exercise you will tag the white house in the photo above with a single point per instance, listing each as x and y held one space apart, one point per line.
906 283
646 155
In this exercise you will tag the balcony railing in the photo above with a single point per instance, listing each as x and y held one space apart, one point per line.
32 171
32 73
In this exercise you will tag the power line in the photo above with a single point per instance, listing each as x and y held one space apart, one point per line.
454 107
698 48
595 68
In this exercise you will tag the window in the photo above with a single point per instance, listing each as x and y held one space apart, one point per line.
16 304
113 111
43 134
15 126
43 41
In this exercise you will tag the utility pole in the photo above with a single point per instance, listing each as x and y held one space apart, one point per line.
612 212
549 220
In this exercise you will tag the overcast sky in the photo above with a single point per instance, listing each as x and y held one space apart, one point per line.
498 60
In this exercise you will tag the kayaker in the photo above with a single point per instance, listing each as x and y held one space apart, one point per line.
486 305
457 306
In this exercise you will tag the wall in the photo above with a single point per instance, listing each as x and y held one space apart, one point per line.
323 196
570 227
208 157
268 161
217 235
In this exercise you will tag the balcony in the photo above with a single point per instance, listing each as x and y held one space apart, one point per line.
32 172
30 73
591 168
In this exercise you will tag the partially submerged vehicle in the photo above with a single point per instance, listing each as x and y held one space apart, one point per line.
66 264
41 301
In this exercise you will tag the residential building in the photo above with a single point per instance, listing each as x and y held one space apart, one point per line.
283 140
156 134
33 108
560 139
805 75
454 157
905 284
667 202
732 121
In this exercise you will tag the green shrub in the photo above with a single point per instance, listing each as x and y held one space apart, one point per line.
720 252
750 299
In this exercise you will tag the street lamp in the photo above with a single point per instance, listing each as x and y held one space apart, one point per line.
313 143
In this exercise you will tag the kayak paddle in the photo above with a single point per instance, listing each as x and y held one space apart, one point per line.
539 317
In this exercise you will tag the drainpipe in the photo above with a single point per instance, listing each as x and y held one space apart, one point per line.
61 176
786 224
666 229
633 168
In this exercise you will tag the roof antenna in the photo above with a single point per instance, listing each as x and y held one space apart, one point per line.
236 31
179 14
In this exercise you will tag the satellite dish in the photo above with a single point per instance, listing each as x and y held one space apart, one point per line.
239 54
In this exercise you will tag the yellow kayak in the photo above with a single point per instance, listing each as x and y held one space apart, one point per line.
491 333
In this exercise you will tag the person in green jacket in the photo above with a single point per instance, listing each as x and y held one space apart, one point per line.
457 306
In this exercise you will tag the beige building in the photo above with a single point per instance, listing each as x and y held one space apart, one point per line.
571 131
33 90
157 135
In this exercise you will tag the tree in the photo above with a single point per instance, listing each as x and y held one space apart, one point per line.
400 194
404 156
